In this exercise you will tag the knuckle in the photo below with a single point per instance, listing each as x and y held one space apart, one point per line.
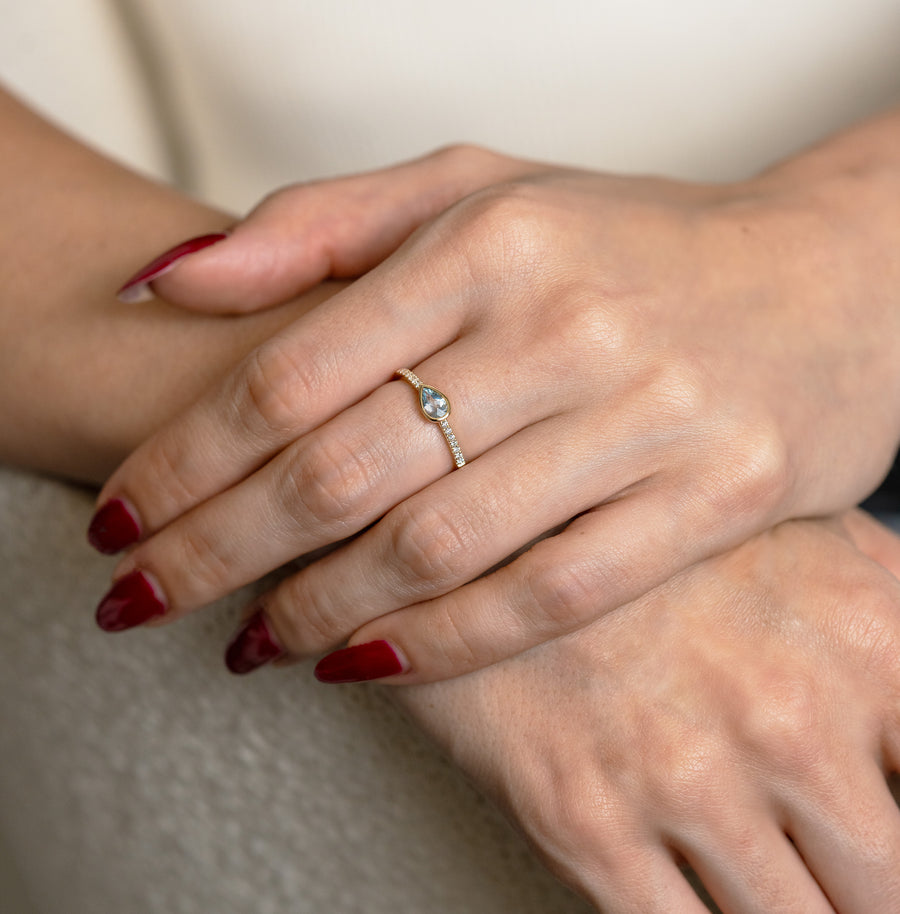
679 394
691 776
207 567
871 634
306 619
278 384
753 479
764 474
751 472
333 482
586 826
170 482
580 821
572 807
501 230
782 723
286 195
465 653
561 597
432 546
463 156
584 331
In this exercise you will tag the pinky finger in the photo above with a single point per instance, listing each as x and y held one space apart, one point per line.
601 561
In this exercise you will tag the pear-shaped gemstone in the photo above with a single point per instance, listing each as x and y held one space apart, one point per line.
434 404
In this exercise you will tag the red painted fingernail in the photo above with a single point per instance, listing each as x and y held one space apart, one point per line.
360 663
113 528
138 289
131 601
253 646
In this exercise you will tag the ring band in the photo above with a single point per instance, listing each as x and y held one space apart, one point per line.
436 408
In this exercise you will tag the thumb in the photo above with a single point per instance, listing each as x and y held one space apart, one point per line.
305 233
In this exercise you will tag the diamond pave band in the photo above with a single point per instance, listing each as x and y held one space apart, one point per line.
436 408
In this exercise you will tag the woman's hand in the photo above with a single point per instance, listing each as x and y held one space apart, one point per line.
677 367
742 718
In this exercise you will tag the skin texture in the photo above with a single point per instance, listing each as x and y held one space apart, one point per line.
755 694
85 379
677 367
752 699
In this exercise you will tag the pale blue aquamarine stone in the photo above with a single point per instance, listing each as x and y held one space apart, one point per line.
434 403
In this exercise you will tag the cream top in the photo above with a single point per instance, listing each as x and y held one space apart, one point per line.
259 94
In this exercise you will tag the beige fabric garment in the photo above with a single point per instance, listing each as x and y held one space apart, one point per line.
137 776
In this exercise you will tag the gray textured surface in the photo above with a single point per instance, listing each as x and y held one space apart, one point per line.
13 894
139 777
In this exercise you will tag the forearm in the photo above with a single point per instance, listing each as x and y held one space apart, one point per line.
83 378
855 177
853 180
868 149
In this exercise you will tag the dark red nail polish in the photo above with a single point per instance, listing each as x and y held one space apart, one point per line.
253 646
359 663
138 287
131 601
113 528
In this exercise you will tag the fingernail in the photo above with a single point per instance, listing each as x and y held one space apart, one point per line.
113 527
138 289
360 663
253 646
131 601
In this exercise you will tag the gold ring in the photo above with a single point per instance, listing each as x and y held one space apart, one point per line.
436 408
